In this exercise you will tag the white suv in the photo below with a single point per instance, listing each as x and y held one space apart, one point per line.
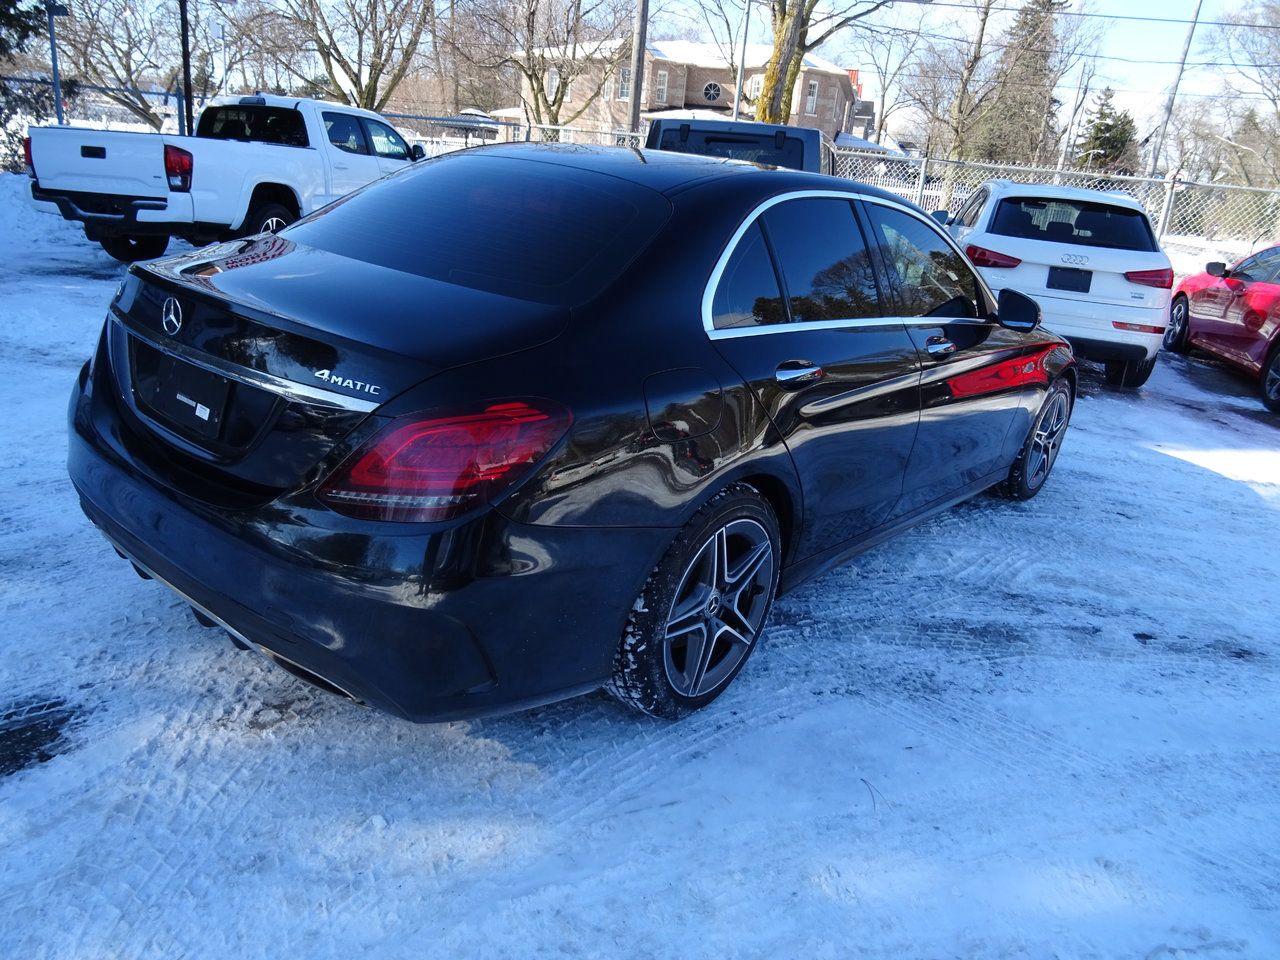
1091 259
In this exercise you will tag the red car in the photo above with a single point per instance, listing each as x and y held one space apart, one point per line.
1233 313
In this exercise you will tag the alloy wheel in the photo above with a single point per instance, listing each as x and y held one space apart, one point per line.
719 608
1047 440
273 225
1177 320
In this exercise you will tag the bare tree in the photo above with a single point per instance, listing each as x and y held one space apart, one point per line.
887 51
1251 44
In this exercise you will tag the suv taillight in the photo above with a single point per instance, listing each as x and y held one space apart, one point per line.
26 157
178 164
982 257
441 466
1152 278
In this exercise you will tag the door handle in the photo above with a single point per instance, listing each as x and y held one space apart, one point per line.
341 166
794 374
939 346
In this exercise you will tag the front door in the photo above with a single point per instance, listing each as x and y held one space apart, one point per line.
1249 317
973 371
351 161
838 378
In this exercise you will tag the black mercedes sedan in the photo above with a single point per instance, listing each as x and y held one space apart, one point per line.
524 421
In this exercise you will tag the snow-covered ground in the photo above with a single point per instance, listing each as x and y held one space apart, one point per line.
1021 730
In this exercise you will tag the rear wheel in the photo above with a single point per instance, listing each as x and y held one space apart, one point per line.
1129 374
1175 334
131 249
702 609
1029 472
1271 380
268 218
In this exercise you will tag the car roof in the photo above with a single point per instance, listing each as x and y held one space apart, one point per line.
669 172
1052 191
288 103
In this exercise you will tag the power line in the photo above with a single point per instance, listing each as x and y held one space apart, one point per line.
1122 16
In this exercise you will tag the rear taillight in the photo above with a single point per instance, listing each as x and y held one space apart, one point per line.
982 257
178 165
439 467
1152 278
1136 327
26 158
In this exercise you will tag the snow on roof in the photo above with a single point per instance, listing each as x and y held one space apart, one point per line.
849 141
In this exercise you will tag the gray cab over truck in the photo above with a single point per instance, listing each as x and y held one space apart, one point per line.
797 148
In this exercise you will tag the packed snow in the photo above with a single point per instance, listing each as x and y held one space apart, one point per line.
1029 730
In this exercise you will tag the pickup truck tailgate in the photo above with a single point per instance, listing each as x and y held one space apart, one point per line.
99 161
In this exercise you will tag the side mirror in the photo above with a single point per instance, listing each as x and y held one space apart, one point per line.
941 216
1017 311
1215 268
417 153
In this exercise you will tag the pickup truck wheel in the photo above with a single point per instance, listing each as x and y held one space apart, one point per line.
268 218
131 249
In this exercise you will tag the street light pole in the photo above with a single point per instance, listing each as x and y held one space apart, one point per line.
186 69
1173 94
638 39
55 10
742 58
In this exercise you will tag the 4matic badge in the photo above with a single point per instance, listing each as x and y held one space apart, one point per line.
331 378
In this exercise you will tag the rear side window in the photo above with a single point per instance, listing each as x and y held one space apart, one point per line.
932 279
345 133
277 125
823 259
737 146
524 229
748 294
1075 222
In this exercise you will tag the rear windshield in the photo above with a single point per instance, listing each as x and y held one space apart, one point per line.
1073 221
525 229
757 148
259 124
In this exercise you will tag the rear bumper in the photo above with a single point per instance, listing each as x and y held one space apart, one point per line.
113 215
1092 349
1091 327
485 618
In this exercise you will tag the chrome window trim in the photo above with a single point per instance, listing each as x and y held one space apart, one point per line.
709 292
288 389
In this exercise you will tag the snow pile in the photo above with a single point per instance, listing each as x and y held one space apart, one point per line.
1020 730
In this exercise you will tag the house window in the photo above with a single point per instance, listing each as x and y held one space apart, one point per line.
624 83
606 91
755 85
660 88
811 100
553 83
568 91
711 92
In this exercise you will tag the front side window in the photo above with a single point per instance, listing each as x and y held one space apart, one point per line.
823 259
624 83
931 277
811 101
748 294
344 132
386 142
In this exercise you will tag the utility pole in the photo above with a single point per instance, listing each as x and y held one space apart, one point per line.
638 39
742 59
1173 94
187 103
55 10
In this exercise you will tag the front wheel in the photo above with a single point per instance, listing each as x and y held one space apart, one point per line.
1029 472
1271 381
702 609
131 249
1129 374
1176 333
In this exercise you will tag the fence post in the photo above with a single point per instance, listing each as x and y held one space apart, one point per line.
924 166
1167 210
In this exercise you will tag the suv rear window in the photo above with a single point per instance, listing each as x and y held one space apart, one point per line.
530 230
737 146
1072 221
260 124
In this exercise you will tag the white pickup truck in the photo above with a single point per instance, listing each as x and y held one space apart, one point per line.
255 164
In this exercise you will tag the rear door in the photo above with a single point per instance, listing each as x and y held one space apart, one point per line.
838 377
351 160
970 388
99 161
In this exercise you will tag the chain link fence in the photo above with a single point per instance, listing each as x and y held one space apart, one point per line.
1190 218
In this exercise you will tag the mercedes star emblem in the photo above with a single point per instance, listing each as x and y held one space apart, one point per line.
171 317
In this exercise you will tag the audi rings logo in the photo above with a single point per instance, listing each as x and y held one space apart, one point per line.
171 317
1075 259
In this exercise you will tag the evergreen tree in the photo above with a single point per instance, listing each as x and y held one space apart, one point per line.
22 103
1110 139
1018 117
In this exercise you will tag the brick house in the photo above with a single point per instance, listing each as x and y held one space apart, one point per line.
683 75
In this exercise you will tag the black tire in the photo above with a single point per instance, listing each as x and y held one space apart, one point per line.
1271 380
664 666
267 218
1176 333
1129 374
1028 475
131 249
